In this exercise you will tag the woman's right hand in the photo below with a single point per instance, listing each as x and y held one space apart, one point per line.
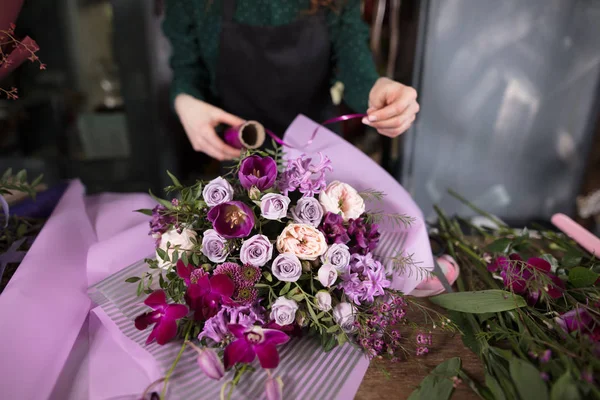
199 120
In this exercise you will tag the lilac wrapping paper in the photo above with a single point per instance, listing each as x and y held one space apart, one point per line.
56 344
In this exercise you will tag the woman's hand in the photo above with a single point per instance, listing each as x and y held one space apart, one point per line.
392 107
199 120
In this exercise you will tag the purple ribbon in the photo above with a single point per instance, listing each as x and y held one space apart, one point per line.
314 134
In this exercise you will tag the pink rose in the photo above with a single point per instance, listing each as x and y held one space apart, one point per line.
341 198
304 241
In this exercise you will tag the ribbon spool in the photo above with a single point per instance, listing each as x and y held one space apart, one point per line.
251 135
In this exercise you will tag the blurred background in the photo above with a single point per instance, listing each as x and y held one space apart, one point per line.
508 92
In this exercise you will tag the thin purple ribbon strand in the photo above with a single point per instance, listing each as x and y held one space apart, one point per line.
314 134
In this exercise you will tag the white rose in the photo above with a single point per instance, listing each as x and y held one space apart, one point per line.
183 242
341 198
323 300
344 316
283 311
327 275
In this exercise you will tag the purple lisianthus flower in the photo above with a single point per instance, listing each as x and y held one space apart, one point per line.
334 230
287 267
363 237
274 206
260 172
365 279
164 317
217 191
305 177
257 251
232 219
160 222
252 342
214 246
337 255
308 211
215 328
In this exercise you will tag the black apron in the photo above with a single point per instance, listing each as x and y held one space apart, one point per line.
271 74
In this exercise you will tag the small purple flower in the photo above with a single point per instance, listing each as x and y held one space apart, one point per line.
301 175
363 237
232 270
334 230
365 279
257 251
209 362
215 328
308 211
260 172
337 255
546 355
217 191
287 267
164 317
545 377
274 206
232 219
421 351
214 246
252 342
580 320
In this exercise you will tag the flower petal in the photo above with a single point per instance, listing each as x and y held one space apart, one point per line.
540 264
166 330
156 299
222 285
267 355
183 271
239 351
144 320
176 311
237 330
275 336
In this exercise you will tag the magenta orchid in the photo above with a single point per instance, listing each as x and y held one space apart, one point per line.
188 273
164 317
208 294
252 342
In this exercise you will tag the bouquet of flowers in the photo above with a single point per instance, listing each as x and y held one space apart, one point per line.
269 251
527 305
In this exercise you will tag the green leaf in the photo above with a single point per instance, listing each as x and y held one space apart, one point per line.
285 289
582 277
328 342
7 174
37 181
174 179
195 259
268 276
333 328
140 287
184 258
501 245
480 302
438 384
572 258
298 297
527 380
144 211
467 324
133 279
162 254
21 230
565 388
175 256
342 338
161 281
21 176
494 387
162 201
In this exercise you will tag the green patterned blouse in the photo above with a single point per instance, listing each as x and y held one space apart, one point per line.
193 28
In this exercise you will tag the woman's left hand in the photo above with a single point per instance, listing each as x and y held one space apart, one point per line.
392 107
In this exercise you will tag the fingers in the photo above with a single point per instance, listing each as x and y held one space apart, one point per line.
230 119
393 132
207 141
379 93
397 120
394 104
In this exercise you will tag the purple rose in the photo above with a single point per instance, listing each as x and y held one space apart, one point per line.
259 172
274 206
256 251
232 219
327 275
287 267
214 246
308 211
337 255
217 191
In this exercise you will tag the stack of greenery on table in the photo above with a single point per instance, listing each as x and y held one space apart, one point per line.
16 233
528 305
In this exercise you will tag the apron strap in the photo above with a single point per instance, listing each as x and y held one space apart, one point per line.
228 10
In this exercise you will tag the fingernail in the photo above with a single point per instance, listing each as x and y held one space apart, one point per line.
366 121
372 118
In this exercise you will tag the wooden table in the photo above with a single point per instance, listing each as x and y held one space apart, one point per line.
405 376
